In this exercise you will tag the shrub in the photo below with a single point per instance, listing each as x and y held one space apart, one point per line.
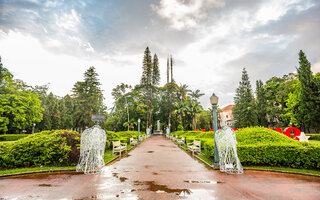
258 135
57 147
12 137
314 136
261 146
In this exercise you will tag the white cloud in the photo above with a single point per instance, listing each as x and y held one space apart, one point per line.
182 15
68 21
38 66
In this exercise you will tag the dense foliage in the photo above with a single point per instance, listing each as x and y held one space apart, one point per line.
171 104
293 99
59 147
261 146
12 137
19 106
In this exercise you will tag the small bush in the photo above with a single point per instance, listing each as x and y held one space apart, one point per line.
12 137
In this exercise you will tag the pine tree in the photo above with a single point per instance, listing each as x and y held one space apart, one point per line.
146 82
244 110
155 71
146 68
309 107
88 97
261 104
171 64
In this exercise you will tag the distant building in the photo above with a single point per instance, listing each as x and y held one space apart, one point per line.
226 117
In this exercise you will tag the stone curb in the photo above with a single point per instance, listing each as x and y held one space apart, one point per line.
251 169
67 170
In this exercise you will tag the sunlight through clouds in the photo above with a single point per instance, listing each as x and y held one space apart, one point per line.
184 15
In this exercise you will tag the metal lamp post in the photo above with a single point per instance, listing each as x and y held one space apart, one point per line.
139 129
214 102
33 128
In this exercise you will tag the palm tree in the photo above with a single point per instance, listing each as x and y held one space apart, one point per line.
182 91
195 95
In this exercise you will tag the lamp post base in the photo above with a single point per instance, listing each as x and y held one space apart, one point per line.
216 165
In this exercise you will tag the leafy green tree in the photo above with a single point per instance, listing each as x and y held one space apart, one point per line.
261 104
67 108
19 107
89 98
244 110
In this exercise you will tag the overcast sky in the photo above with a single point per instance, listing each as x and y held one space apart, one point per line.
210 40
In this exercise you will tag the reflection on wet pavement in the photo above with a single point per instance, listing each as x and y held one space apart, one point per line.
158 169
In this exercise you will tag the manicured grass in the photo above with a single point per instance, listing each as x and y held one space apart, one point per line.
305 171
204 158
33 169
108 156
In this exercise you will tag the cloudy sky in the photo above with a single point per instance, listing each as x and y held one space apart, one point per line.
211 41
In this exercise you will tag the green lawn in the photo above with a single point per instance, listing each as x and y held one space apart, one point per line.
33 169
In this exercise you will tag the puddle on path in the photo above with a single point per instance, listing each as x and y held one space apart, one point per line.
45 185
150 151
203 181
123 179
161 188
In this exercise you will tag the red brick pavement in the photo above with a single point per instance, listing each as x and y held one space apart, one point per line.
158 169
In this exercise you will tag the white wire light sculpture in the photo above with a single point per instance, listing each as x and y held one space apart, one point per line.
92 146
227 147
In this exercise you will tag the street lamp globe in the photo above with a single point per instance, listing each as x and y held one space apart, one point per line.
214 99
139 120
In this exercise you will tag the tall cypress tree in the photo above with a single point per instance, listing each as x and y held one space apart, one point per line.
244 110
261 104
309 107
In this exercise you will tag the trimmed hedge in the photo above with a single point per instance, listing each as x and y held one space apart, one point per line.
261 146
123 136
313 136
57 147
12 137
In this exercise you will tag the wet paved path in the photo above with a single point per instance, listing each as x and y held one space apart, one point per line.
158 169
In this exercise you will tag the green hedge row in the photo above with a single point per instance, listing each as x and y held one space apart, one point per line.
12 137
265 147
314 136
123 136
58 147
